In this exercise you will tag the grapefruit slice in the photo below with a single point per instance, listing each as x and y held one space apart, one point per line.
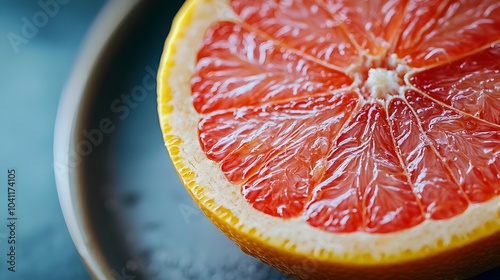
340 139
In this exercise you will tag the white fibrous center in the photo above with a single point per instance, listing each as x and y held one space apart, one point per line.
382 82
381 78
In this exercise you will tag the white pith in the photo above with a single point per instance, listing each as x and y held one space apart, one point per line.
382 82
477 221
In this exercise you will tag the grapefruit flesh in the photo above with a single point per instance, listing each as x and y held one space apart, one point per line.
336 138
420 141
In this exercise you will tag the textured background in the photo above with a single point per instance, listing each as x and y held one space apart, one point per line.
32 76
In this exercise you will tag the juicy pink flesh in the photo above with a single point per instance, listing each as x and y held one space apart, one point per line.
292 124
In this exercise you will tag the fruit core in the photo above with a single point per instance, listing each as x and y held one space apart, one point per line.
381 78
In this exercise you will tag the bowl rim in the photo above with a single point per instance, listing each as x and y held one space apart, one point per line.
97 40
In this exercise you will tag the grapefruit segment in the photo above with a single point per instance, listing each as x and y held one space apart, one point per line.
364 187
301 24
436 189
373 24
237 67
474 87
293 137
470 147
283 185
436 32
420 18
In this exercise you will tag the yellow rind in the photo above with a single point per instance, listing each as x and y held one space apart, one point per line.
456 258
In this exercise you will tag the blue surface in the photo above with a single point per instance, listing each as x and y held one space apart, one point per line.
32 75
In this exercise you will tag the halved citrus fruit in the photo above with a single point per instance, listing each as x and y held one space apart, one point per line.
341 139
